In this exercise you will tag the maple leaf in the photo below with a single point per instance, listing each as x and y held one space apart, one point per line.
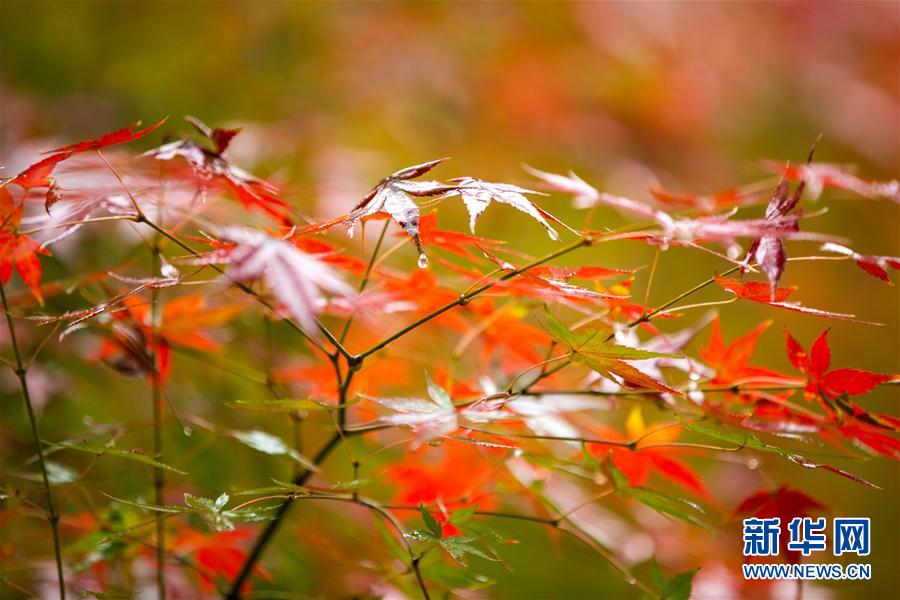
723 199
295 278
876 266
120 136
429 419
452 241
768 251
762 292
132 343
18 251
589 346
827 384
391 197
504 328
870 438
584 194
637 464
477 195
731 362
549 283
218 554
784 503
721 228
38 174
21 252
211 165
818 176
456 478
330 254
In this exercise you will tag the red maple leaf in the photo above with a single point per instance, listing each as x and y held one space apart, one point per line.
830 384
821 175
759 291
38 174
213 165
875 265
732 362
131 347
17 251
640 463
710 203
120 136
451 241
219 555
783 503
455 477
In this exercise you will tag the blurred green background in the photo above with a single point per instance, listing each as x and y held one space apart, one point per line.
693 95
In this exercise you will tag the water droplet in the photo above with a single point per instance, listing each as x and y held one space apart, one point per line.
630 580
753 463
188 431
423 261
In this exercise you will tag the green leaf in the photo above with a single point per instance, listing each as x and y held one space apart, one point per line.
430 522
558 330
618 477
666 505
418 535
677 587
273 445
200 503
151 507
461 515
280 405
118 452
353 484
458 547
745 439
740 438
590 347
280 487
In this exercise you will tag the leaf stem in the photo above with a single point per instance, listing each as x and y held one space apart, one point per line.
53 515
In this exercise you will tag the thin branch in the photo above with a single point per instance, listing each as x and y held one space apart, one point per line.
366 275
53 515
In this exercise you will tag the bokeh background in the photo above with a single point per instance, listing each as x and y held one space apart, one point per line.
334 95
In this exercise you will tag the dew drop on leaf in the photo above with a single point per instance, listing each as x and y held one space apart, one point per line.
423 261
